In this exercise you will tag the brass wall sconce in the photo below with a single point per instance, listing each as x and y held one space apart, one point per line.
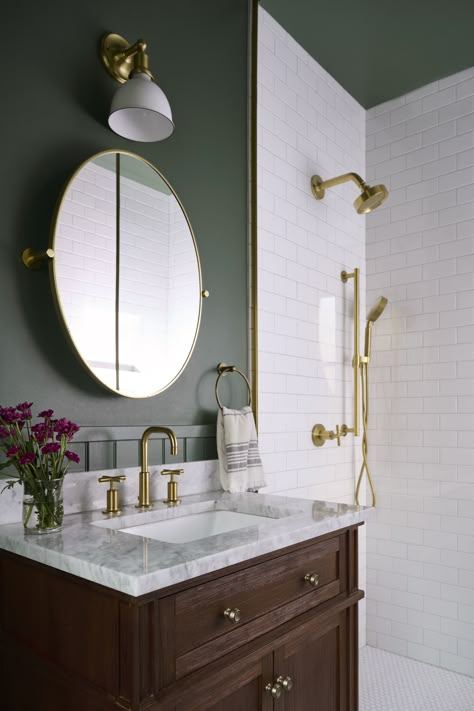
368 200
140 110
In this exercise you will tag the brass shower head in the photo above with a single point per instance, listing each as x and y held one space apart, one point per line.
368 200
378 309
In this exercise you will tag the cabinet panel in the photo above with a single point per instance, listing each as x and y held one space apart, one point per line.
28 683
316 660
62 620
238 687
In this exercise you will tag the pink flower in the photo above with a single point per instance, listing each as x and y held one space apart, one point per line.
72 456
12 451
45 413
9 414
4 432
65 427
40 432
27 458
25 410
51 448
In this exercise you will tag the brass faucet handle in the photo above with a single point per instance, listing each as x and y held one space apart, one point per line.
111 479
112 506
172 485
338 435
172 473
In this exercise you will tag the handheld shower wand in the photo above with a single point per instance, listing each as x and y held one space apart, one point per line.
364 376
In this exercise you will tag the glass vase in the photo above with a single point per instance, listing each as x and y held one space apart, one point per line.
43 508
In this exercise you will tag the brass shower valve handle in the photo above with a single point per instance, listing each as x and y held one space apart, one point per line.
112 493
320 435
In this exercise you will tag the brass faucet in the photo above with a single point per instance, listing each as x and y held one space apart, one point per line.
144 476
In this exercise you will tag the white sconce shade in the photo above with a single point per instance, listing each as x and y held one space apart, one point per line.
140 111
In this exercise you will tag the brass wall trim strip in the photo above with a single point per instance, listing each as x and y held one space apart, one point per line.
117 271
252 202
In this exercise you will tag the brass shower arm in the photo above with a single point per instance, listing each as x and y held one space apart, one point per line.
319 186
368 200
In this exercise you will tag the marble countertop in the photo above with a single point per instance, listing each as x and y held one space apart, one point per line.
91 546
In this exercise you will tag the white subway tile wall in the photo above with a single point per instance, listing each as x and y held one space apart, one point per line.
307 124
420 254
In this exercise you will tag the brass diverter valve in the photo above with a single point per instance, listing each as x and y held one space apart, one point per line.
172 485
320 435
112 493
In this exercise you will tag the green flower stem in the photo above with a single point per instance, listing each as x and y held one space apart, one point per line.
44 500
26 519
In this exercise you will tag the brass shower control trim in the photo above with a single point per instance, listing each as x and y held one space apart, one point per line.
320 435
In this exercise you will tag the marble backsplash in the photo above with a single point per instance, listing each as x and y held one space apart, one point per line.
82 491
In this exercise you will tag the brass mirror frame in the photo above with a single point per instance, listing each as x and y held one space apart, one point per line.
54 281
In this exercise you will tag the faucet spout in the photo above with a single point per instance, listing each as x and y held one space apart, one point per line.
144 476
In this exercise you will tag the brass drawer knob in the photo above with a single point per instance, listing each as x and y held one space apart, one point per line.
286 682
274 690
232 614
312 579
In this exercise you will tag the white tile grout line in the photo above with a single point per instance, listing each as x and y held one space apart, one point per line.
389 682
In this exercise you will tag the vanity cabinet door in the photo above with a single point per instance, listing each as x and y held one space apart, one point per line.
318 660
237 687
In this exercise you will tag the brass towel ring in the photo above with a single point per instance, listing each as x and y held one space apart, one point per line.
223 369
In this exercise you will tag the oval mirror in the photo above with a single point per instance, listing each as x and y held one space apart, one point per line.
126 274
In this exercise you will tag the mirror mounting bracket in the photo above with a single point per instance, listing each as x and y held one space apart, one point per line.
36 259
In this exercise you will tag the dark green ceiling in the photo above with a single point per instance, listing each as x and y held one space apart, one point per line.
380 50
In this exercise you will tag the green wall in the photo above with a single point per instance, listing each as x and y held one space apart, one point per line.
54 115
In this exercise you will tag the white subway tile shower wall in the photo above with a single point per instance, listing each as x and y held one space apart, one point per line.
420 254
307 124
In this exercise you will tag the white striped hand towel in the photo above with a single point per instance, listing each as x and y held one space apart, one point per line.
240 466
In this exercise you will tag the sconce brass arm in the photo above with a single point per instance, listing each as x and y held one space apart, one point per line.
121 58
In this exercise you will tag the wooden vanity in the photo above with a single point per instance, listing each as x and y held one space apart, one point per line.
278 632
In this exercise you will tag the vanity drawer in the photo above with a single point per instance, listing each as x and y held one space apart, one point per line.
266 594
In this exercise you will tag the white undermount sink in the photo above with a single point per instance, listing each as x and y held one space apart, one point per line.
195 526
185 526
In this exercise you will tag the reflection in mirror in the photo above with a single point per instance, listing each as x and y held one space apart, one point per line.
126 274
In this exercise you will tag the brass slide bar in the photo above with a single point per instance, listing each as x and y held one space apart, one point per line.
345 276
